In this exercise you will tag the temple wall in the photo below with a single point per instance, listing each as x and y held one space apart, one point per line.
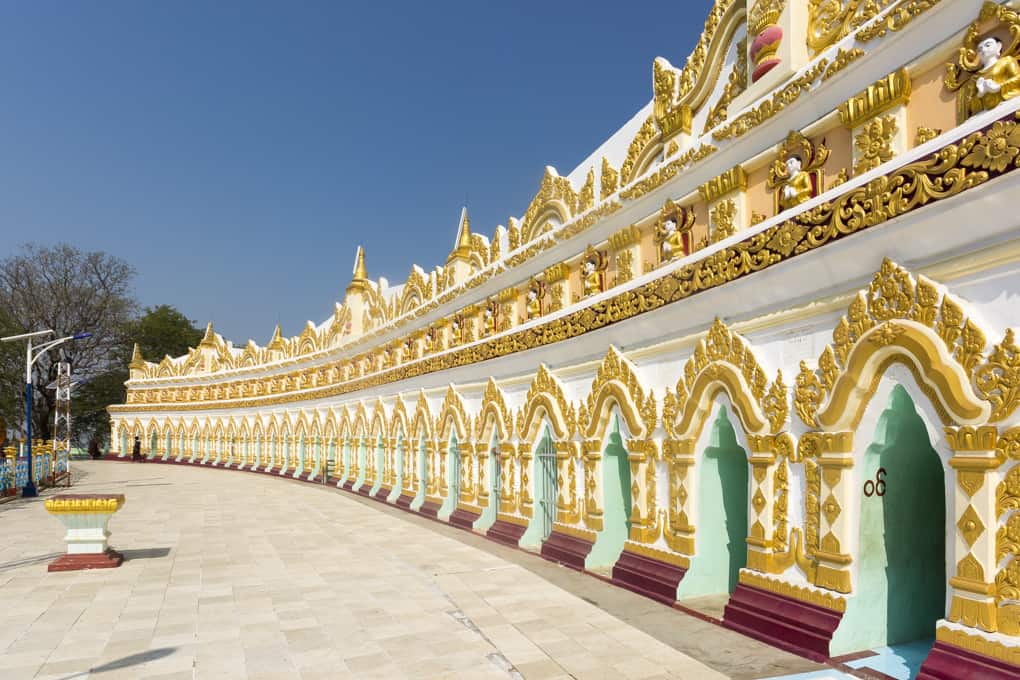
883 267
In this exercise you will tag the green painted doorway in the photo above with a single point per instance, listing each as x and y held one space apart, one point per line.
721 539
900 590
616 498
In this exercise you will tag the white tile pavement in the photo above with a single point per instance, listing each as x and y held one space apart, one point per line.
233 575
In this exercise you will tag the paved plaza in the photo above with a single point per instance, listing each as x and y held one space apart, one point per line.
229 574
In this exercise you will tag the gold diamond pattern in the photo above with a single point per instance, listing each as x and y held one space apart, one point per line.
758 501
831 509
970 525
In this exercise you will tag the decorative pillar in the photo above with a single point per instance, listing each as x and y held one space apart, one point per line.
592 456
568 457
727 203
678 531
877 121
974 515
626 246
644 517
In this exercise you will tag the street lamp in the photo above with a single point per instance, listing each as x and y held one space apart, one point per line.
29 490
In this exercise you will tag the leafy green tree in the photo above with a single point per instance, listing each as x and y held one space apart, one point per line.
67 290
162 331
159 331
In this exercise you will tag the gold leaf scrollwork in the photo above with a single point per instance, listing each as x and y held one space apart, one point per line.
998 379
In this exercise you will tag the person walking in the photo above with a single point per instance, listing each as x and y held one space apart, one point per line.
94 449
136 451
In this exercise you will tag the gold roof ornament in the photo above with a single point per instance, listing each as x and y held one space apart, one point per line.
137 362
209 339
277 343
463 248
359 280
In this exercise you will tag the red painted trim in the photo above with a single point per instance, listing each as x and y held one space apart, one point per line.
105 560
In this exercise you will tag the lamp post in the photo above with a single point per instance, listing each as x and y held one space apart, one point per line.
29 489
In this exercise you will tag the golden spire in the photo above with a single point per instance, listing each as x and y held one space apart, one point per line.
463 247
209 339
276 344
137 362
360 277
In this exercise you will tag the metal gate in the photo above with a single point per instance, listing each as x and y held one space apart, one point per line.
453 479
546 490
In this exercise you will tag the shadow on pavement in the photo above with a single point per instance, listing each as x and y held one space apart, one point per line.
125 662
144 553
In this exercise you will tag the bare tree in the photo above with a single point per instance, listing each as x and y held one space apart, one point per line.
68 290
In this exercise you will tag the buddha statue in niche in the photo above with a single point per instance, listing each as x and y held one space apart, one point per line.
456 333
533 303
673 231
798 188
999 76
796 175
488 322
592 273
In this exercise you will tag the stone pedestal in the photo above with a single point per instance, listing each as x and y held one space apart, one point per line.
86 517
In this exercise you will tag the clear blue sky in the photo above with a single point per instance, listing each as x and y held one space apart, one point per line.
237 153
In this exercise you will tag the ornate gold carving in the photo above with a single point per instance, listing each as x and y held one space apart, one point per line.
970 525
734 179
895 19
673 231
667 171
879 97
736 83
1007 493
723 216
780 99
941 175
831 20
842 59
997 379
84 504
641 150
555 199
893 295
593 272
874 143
984 73
616 380
610 180
586 197
925 134
546 393
796 174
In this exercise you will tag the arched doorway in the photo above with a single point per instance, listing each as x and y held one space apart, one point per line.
153 444
721 520
398 468
617 501
490 511
545 484
453 472
900 591
421 463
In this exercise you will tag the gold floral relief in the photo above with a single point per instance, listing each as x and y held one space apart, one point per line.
874 143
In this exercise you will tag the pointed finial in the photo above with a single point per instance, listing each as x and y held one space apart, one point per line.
276 344
359 280
462 249
360 272
137 362
209 339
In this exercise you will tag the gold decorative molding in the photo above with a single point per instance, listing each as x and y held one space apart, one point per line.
877 98
734 179
84 504
801 593
657 554
921 183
